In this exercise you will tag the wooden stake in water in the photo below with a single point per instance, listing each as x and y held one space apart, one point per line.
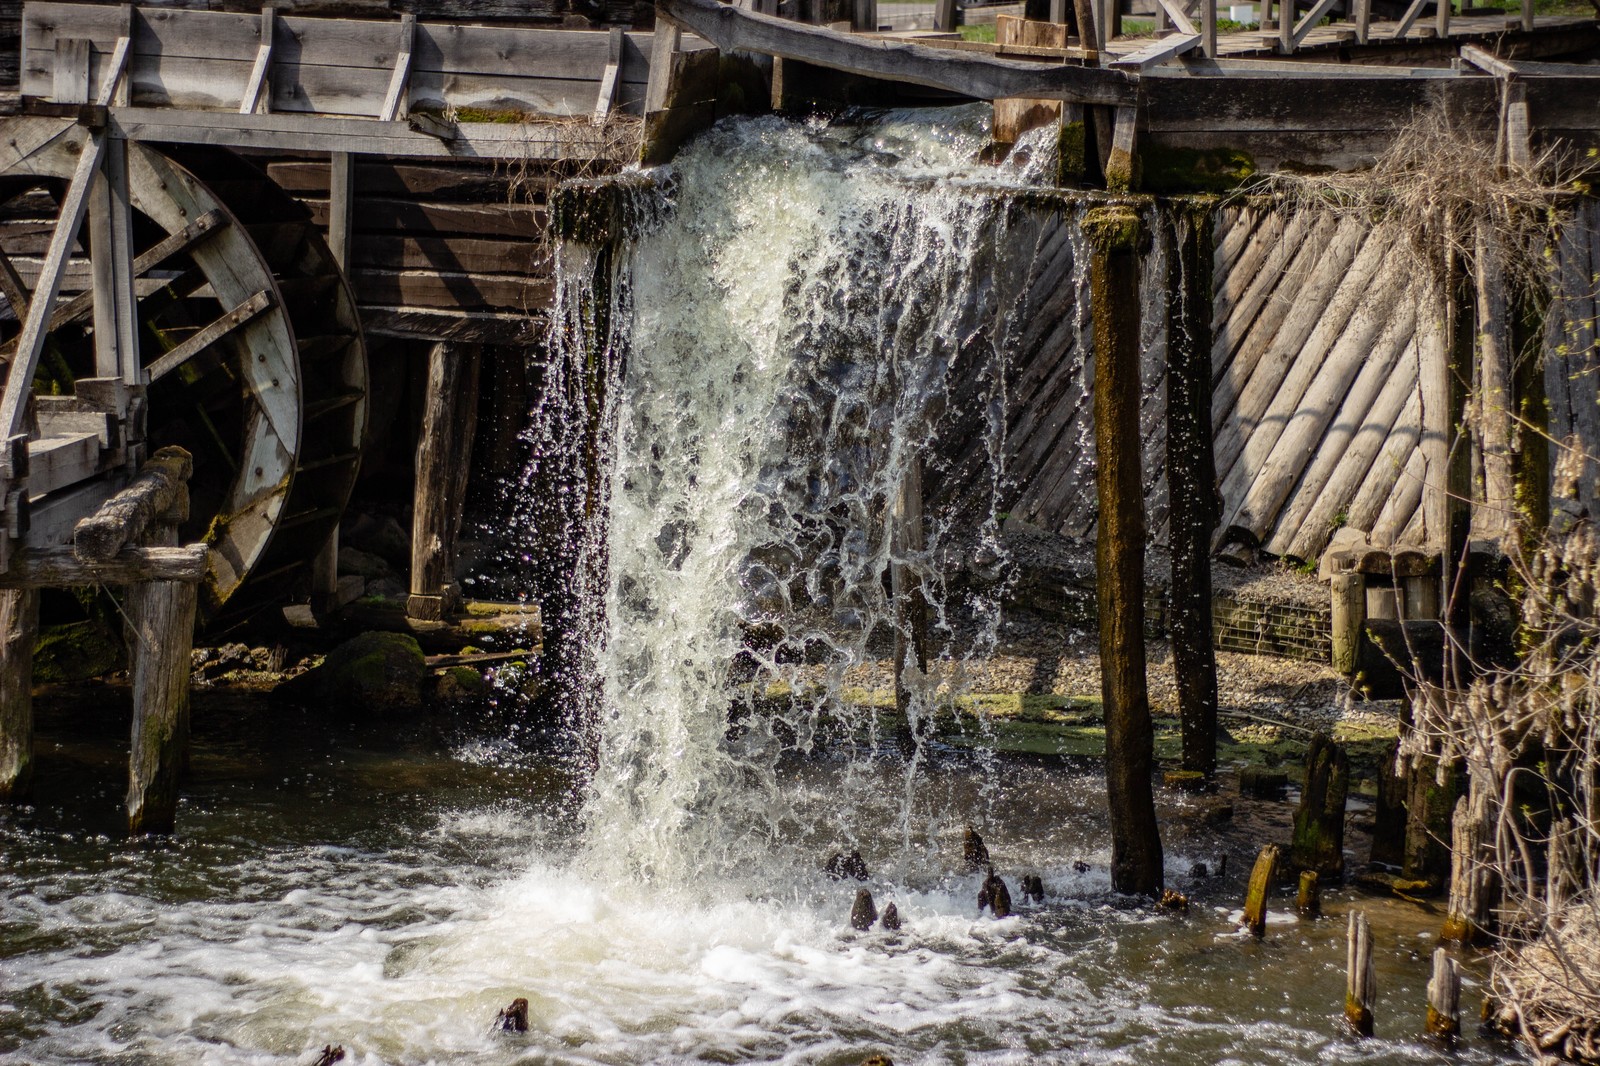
1359 989
1255 899
1309 899
1444 998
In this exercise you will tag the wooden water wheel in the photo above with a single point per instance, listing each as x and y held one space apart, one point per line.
248 346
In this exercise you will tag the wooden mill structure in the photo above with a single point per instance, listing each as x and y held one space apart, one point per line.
218 228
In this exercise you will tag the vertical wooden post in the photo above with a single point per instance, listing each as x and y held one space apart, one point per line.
944 16
1527 16
111 259
1286 14
1494 400
1116 238
443 454
1364 20
1088 17
864 16
341 189
663 45
1469 915
19 630
1444 998
162 617
1442 18
1192 486
1259 888
1308 900
1360 980
1349 616
1319 819
910 608
1208 28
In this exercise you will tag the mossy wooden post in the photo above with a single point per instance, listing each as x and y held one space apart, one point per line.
1349 615
1360 981
1115 235
1192 483
1262 875
1469 916
1444 998
1319 819
1308 900
1431 793
19 630
449 413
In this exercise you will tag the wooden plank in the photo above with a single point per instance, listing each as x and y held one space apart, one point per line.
56 462
452 324
341 179
254 87
450 254
666 41
394 102
373 215
209 335
444 289
1284 102
1309 20
1484 61
1158 51
58 567
71 81
971 75
608 80
19 377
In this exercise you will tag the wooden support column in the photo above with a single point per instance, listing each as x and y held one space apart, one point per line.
1349 616
341 186
1192 485
944 15
1208 28
1469 919
1116 240
443 455
664 44
161 614
19 630
1494 403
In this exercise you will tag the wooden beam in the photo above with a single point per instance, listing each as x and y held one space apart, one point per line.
19 377
1487 62
56 462
608 79
394 100
341 194
1208 28
668 39
13 287
149 500
114 81
211 334
1158 51
443 454
1309 20
161 616
980 77
58 567
1180 17
944 15
19 631
255 89
1403 27
1363 19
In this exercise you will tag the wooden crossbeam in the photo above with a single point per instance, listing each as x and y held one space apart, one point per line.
19 377
1403 27
112 82
608 79
13 287
211 334
1158 51
256 97
1487 62
1309 20
1179 17
57 567
394 99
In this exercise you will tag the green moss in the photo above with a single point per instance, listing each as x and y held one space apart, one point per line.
373 672
1122 171
500 115
1195 169
1114 227
77 651
1072 151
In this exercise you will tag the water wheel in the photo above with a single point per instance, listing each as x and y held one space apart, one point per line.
246 329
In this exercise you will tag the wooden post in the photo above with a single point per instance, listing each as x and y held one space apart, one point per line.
162 617
1308 900
944 16
910 607
341 189
1349 615
1494 401
1319 819
1442 18
1363 20
443 455
1087 12
1208 28
1192 486
663 45
1262 875
1115 236
1473 880
1360 983
19 631
1444 998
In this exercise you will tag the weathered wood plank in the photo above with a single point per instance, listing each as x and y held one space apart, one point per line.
452 324
449 254
376 216
19 631
976 76
210 334
444 289
56 462
148 499
59 567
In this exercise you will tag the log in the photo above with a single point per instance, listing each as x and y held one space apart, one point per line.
1407 493
1262 875
1444 998
1191 488
1360 981
161 616
1473 881
1349 613
1319 819
60 567
19 631
125 516
1308 900
1494 402
1136 861
445 449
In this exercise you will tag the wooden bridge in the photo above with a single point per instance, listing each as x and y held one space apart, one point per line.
240 232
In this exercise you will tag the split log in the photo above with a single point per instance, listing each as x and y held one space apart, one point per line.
1115 237
1262 875
1319 819
161 617
443 455
19 631
1308 900
1360 981
154 494
1473 881
1444 998
863 913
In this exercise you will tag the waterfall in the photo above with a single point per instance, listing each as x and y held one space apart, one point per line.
783 324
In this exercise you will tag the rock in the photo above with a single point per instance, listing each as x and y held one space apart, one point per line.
1263 784
458 683
514 1018
1033 888
1175 902
373 673
974 854
329 1055
864 912
384 537
994 895
841 866
362 564
387 588
891 917
76 651
1198 871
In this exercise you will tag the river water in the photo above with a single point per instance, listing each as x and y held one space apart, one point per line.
783 329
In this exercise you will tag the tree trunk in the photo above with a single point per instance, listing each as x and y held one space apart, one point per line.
1319 820
1136 866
